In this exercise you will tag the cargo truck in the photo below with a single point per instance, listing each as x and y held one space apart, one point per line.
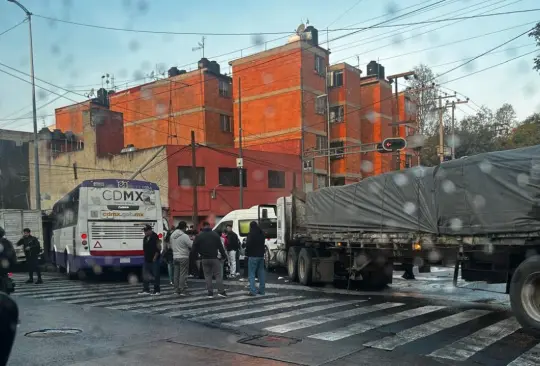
14 221
481 212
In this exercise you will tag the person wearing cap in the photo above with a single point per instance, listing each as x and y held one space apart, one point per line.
151 266
31 251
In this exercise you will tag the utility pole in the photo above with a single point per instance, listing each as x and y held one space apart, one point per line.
34 111
441 131
453 106
395 118
302 147
441 110
328 129
240 150
195 217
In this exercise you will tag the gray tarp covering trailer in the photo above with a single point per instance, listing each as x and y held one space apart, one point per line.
484 207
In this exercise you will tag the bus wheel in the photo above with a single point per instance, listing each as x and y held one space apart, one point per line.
70 275
525 294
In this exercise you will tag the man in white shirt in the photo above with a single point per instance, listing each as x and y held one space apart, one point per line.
181 246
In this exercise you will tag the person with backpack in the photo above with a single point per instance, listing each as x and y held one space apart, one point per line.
32 248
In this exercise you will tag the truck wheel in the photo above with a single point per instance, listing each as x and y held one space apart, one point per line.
525 294
267 266
305 264
292 264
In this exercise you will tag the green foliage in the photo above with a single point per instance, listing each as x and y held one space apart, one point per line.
535 33
484 132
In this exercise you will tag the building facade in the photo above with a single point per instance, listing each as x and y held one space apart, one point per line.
14 169
66 160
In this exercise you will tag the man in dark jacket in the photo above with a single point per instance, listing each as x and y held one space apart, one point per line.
207 244
31 250
255 253
233 246
151 266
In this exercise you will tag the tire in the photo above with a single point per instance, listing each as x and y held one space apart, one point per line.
292 264
525 294
305 265
267 266
69 274
378 277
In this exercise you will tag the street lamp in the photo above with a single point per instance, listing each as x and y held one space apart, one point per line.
34 113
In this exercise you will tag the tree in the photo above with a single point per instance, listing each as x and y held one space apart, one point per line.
535 33
505 118
424 98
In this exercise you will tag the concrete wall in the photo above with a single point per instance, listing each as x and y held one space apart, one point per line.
57 173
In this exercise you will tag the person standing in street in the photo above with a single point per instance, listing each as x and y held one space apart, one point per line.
208 245
168 256
31 250
255 253
233 246
151 266
6 254
193 270
181 245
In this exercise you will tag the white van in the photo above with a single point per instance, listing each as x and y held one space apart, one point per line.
240 220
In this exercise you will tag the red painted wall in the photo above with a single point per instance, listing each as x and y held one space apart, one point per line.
257 165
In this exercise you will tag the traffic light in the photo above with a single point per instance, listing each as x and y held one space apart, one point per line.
393 144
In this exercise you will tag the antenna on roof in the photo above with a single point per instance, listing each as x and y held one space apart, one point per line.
200 47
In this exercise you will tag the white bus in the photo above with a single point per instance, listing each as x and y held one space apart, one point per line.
100 222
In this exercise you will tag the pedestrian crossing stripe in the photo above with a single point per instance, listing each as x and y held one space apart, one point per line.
359 320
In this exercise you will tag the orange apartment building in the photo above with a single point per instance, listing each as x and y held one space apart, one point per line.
165 111
279 89
290 98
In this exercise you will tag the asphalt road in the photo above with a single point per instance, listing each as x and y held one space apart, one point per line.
427 322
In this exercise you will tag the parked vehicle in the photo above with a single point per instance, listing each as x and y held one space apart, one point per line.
100 223
240 220
14 221
483 212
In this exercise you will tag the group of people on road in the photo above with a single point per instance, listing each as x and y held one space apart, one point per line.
183 247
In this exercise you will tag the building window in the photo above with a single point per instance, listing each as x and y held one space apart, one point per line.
337 78
337 150
320 105
276 179
322 142
225 123
319 65
321 180
338 181
224 89
337 114
230 177
185 174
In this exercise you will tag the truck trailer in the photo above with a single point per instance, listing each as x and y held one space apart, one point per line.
481 213
14 221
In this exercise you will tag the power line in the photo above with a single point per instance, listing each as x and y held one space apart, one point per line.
15 26
485 53
442 20
491 67
344 13
457 41
156 32
399 32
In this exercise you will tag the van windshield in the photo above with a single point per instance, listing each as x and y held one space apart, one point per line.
269 226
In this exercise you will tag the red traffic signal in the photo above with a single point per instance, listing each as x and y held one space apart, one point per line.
394 144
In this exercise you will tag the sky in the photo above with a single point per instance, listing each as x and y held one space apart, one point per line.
73 57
